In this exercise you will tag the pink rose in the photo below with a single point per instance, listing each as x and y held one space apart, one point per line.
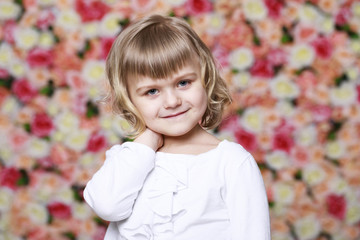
323 47
96 142
246 139
277 57
23 90
9 177
343 16
99 233
41 125
321 113
336 206
91 10
4 73
39 57
8 31
274 7
306 80
229 123
262 68
358 92
59 210
221 55
45 19
106 44
196 7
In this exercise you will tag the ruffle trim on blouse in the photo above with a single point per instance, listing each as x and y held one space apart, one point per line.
167 181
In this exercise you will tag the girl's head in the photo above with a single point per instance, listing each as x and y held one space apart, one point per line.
157 47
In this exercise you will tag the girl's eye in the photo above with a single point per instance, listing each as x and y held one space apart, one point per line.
183 83
152 92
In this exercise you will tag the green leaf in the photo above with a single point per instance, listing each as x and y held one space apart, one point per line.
69 235
124 22
48 90
91 110
24 179
27 127
298 175
6 82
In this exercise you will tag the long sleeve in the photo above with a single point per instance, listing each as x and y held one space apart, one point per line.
247 201
114 188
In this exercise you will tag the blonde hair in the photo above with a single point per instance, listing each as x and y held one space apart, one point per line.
157 47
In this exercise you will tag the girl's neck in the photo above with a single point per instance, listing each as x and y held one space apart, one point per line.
196 141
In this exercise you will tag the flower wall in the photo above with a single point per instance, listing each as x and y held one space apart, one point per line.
294 72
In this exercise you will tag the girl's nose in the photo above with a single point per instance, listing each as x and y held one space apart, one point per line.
171 100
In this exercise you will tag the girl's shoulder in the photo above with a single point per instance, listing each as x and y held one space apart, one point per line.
233 152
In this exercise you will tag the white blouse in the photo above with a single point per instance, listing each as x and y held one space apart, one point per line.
144 194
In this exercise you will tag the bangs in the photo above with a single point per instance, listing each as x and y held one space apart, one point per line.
160 56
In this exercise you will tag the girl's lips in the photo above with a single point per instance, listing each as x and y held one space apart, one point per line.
175 114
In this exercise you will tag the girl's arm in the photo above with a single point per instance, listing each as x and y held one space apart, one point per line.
114 188
247 201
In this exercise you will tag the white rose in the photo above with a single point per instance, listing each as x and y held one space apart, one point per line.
313 174
301 55
277 160
9 10
283 88
110 25
68 20
344 95
26 38
307 228
253 120
241 58
254 10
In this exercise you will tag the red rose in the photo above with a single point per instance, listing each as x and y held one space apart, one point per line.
336 206
23 90
59 210
41 125
45 19
262 68
196 7
9 177
106 44
91 10
283 141
323 47
358 92
246 139
39 57
8 29
343 16
274 7
96 142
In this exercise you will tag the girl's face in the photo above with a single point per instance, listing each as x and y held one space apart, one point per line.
172 106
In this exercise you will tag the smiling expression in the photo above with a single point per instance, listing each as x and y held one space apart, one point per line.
172 106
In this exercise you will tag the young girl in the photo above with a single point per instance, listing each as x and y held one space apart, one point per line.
175 180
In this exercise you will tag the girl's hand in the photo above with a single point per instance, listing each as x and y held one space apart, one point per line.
151 139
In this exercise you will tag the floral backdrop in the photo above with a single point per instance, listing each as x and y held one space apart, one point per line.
294 71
